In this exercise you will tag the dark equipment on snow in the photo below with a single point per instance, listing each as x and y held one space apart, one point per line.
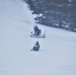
36 46
37 33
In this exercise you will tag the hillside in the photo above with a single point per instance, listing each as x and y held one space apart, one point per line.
57 54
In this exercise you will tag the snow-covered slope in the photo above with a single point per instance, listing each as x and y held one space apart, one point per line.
57 55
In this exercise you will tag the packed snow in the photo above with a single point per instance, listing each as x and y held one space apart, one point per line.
57 54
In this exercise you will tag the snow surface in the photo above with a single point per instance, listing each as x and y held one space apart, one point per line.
57 55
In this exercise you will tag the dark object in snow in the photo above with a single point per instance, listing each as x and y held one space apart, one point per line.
37 31
36 46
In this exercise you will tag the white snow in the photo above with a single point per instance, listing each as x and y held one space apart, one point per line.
57 55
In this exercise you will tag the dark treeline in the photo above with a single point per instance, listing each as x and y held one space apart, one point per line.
56 13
